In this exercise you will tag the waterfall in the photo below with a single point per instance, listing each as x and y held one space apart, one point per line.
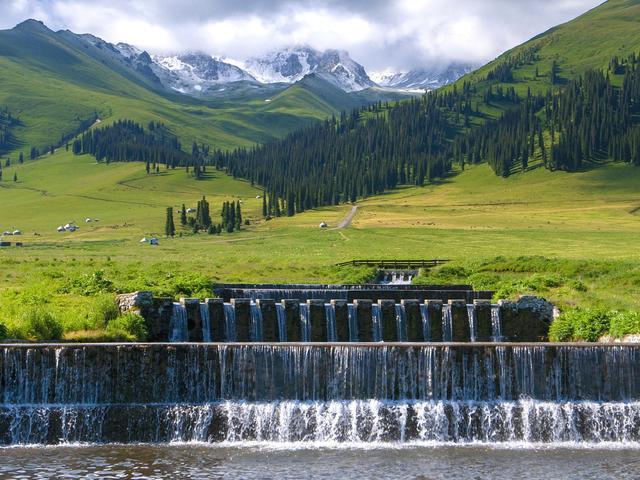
206 322
330 313
256 323
447 323
401 322
426 325
303 393
229 323
305 322
353 322
282 322
376 313
178 325
496 323
472 315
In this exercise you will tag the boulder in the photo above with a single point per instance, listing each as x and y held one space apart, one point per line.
134 302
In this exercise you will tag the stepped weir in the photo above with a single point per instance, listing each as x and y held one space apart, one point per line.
363 370
401 392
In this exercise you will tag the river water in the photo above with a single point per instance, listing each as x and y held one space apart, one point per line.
264 461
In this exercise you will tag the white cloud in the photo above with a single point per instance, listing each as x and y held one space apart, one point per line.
378 33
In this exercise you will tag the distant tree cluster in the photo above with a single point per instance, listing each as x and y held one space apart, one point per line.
588 120
7 123
128 141
231 216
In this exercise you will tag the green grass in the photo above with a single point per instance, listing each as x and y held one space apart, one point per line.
569 237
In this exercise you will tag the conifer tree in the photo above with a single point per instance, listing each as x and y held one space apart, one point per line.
183 215
169 227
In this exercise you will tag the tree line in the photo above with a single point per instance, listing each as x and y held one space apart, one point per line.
128 141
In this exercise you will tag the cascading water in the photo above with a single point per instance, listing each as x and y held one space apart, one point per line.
426 325
376 313
472 315
330 313
282 322
305 321
496 323
185 392
256 323
229 323
447 323
353 323
401 322
206 322
178 325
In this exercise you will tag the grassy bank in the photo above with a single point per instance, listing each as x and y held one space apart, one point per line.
568 237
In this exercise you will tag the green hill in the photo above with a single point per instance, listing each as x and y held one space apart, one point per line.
587 42
54 83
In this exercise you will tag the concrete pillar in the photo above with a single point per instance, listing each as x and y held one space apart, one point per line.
243 319
365 320
484 329
460 331
342 320
269 320
414 321
318 320
194 322
292 319
388 314
216 318
434 308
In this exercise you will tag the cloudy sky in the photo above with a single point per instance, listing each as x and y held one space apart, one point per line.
400 34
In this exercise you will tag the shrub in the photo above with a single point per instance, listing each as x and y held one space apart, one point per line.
562 329
104 310
592 324
130 328
625 323
42 325
3 332
89 284
580 325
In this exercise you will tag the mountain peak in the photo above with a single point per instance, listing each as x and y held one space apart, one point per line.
291 64
32 25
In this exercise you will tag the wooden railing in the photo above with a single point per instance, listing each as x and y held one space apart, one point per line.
398 264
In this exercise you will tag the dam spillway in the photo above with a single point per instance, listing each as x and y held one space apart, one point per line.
365 392
265 320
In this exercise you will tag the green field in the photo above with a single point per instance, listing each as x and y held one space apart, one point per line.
577 231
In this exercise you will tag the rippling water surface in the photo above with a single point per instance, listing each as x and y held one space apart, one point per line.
260 461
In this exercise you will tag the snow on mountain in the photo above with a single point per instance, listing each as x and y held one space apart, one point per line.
128 51
290 65
196 72
421 79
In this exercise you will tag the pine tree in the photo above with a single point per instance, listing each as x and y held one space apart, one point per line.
183 215
169 227
15 176
265 212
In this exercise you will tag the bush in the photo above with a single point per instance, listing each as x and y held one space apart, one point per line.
104 311
581 325
129 328
625 323
3 332
562 329
42 325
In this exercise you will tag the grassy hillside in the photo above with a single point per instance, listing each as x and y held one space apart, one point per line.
52 83
587 42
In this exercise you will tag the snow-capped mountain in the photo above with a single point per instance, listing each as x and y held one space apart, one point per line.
190 73
200 74
421 79
290 65
196 72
